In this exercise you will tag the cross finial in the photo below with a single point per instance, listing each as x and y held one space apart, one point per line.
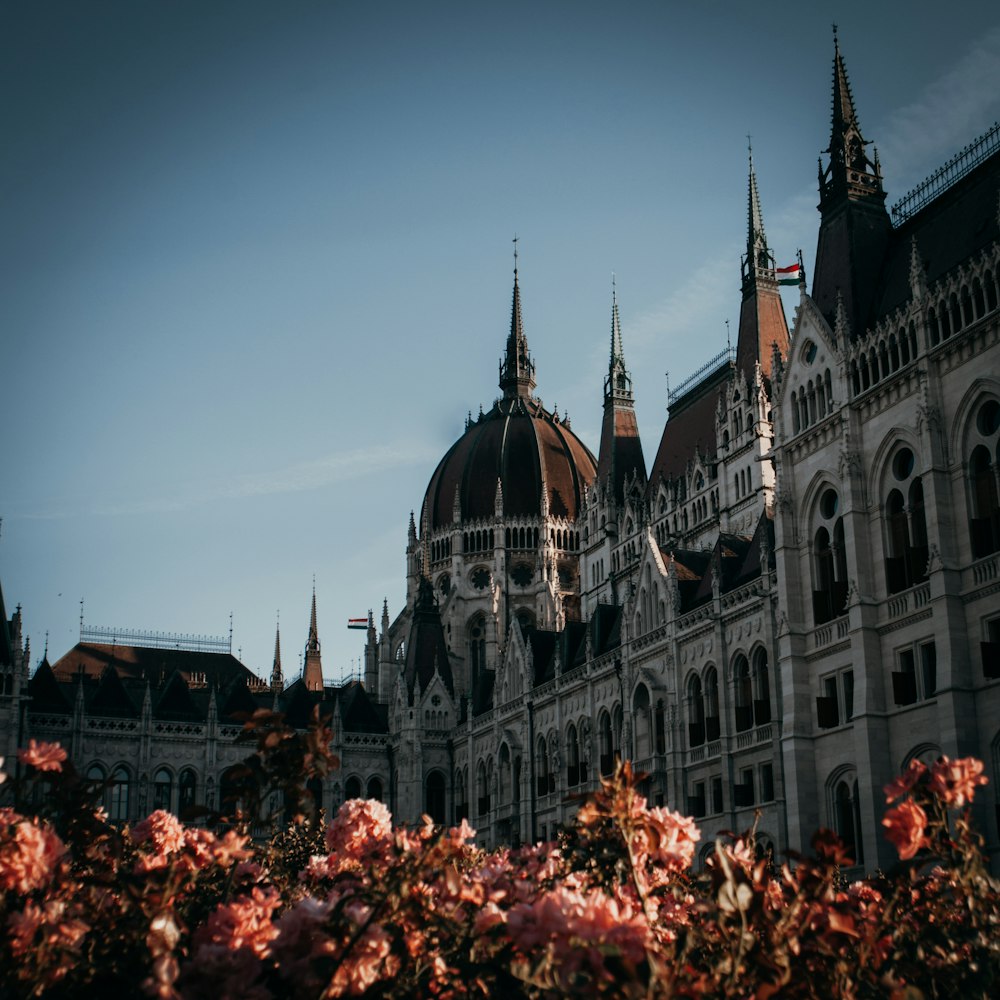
729 343
514 241
613 288
749 146
835 42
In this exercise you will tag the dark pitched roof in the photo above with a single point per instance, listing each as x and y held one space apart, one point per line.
690 428
47 694
174 701
154 665
358 712
111 698
426 647
956 225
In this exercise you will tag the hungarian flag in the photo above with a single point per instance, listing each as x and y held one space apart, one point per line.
357 623
790 275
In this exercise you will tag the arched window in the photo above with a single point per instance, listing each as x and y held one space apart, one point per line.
461 796
984 521
187 791
897 544
505 775
434 804
607 744
119 791
696 712
162 789
482 791
640 712
762 689
542 767
660 727
572 757
847 817
374 790
477 647
352 788
743 694
712 721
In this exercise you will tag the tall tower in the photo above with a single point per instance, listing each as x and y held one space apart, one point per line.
620 458
312 670
517 370
277 678
854 226
762 316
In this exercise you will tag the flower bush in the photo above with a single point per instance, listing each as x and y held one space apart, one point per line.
359 907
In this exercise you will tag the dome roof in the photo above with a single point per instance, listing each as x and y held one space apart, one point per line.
523 445
518 443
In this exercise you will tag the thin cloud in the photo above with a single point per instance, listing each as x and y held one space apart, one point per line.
949 113
316 474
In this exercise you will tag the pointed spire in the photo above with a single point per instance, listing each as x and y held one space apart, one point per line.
620 453
517 370
851 172
918 277
312 670
277 678
759 261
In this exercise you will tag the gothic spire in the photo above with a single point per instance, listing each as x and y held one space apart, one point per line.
851 172
517 370
762 317
854 227
312 670
618 384
759 262
277 678
620 455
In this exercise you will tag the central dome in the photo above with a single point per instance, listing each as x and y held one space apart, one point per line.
519 443
523 446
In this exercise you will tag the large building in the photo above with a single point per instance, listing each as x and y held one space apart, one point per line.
797 597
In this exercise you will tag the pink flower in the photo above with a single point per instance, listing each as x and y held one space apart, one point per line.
163 834
900 786
577 931
42 756
905 826
360 828
28 860
244 923
955 781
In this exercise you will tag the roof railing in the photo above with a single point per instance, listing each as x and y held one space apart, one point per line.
156 640
724 357
945 176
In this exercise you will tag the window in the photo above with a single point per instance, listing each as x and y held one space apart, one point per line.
696 800
187 790
829 561
477 647
461 797
374 790
482 791
762 688
717 794
118 800
572 757
846 809
162 789
352 789
660 726
915 677
905 526
767 782
607 744
990 649
711 704
836 703
743 694
984 521
435 803
743 790
696 713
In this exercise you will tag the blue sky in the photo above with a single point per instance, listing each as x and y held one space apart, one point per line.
255 262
